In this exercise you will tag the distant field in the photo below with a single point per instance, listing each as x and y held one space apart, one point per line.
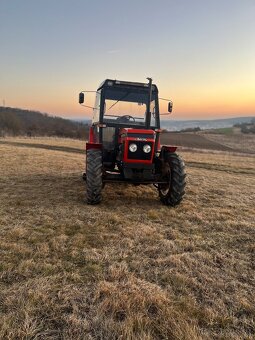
213 141
223 131
129 268
240 142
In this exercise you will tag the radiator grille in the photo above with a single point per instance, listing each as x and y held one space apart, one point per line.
139 154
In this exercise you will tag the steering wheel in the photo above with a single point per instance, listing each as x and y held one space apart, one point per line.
126 117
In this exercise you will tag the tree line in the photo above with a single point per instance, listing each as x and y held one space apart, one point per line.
18 122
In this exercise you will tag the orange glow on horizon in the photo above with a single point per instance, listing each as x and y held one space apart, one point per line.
201 103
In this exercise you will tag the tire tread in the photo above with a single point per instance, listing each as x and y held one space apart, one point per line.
178 180
94 176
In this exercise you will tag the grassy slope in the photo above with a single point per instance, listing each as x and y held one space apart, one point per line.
130 266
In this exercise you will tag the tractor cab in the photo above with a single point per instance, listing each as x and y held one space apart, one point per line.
127 104
124 143
122 104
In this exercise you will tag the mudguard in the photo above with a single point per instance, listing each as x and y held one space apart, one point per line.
168 148
97 146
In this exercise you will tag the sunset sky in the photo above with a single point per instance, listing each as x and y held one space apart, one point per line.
200 53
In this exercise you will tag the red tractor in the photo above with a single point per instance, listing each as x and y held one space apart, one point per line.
124 142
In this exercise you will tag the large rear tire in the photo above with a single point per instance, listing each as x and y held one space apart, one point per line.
94 176
173 170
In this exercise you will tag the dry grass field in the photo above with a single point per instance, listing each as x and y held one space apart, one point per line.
129 268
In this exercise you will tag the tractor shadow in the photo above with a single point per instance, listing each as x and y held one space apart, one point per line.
117 194
70 189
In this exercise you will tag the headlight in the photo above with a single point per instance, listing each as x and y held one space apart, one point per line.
147 148
133 147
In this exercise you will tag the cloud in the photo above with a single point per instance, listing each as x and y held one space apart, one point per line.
113 51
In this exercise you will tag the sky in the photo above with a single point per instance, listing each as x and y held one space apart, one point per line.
200 53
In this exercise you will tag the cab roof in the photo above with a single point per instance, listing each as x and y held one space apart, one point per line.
122 83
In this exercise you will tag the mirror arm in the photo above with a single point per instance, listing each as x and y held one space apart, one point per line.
94 108
89 91
90 107
169 100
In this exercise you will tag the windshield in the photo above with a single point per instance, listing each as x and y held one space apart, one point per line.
125 105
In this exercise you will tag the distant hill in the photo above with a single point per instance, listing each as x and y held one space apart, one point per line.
14 122
177 125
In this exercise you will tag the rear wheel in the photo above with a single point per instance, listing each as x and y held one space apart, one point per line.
94 176
173 171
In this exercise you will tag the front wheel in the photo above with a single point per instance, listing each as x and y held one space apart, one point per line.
94 176
173 171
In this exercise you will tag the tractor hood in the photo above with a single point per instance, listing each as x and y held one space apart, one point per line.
139 134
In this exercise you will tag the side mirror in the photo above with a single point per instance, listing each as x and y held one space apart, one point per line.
170 107
81 98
